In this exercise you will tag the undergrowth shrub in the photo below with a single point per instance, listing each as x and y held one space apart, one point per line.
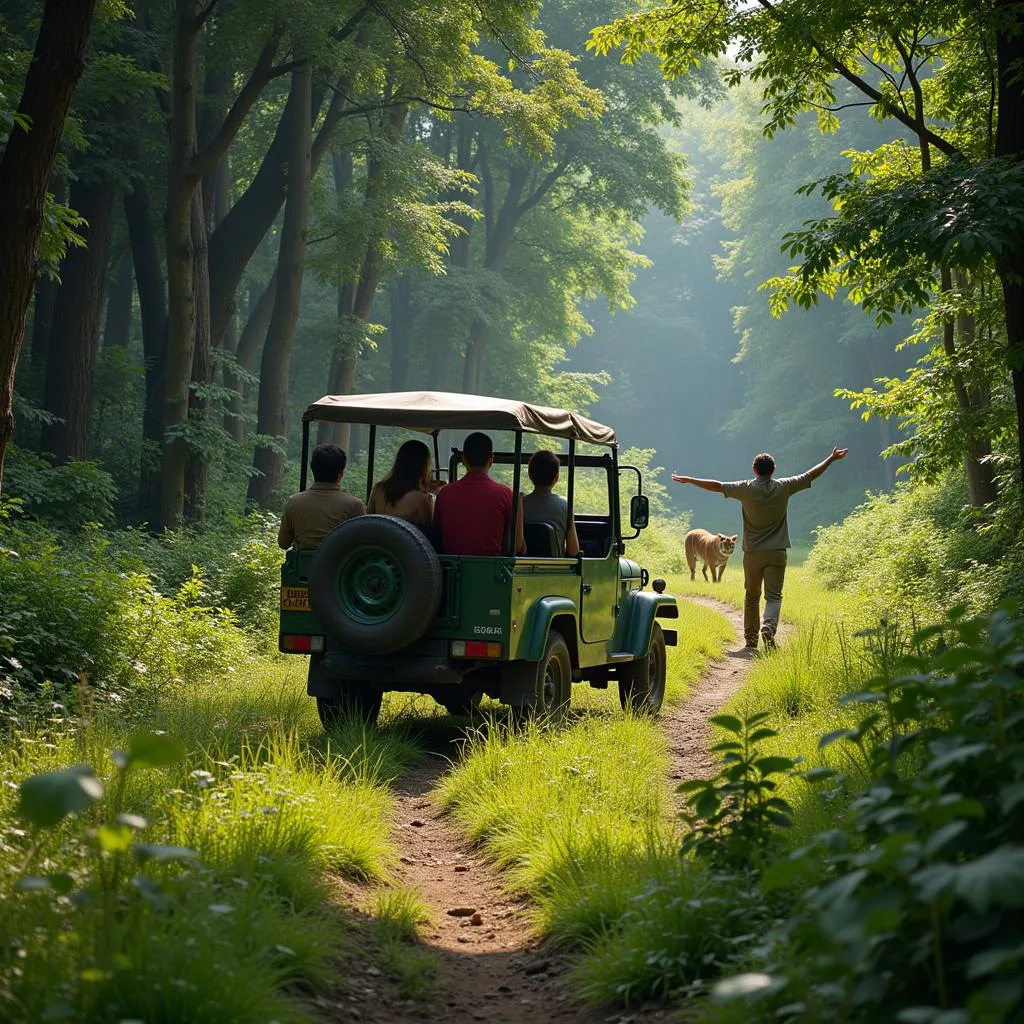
919 547
70 611
67 497
910 909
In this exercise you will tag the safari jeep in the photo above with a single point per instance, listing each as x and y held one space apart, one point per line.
378 607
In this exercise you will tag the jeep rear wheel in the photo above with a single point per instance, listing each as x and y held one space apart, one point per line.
552 684
375 583
359 701
642 683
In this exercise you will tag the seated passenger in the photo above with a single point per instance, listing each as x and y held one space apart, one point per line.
407 491
311 514
474 513
541 506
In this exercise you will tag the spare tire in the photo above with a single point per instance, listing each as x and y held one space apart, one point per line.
375 583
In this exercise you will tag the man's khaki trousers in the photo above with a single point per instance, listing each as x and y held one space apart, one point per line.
767 569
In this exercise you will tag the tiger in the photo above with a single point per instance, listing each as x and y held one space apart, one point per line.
713 549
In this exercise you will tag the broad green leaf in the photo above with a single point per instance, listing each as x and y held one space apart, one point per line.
728 722
153 750
994 879
132 821
48 798
743 985
770 765
114 838
989 961
761 734
831 737
782 874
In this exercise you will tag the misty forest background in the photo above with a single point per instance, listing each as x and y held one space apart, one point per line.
719 227
571 231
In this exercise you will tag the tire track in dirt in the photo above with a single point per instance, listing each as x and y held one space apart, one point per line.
492 966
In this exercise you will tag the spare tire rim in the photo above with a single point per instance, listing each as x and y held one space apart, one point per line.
370 584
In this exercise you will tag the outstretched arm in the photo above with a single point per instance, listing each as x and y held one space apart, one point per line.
837 453
707 485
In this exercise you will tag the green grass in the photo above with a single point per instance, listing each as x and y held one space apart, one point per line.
244 932
537 800
397 915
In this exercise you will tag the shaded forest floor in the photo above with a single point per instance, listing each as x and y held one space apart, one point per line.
490 965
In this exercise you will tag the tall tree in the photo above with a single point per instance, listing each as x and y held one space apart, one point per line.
58 61
895 57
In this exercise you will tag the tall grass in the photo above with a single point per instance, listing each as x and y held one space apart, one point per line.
241 932
537 800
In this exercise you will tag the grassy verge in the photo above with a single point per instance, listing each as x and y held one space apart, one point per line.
229 926
579 819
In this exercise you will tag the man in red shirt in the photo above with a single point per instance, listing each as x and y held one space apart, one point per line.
474 513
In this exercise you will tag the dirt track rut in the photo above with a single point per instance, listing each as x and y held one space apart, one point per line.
492 967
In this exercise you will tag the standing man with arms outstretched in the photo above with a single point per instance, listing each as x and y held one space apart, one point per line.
765 502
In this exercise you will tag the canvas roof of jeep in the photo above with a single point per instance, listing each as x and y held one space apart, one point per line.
442 410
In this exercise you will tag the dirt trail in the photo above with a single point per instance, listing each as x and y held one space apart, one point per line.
686 725
492 967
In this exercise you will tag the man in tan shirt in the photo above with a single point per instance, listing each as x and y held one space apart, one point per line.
310 515
765 502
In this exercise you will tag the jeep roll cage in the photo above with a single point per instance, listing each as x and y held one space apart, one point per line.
430 412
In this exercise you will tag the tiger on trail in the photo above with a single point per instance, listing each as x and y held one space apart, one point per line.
713 549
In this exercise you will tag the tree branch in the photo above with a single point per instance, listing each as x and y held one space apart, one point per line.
926 134
204 14
204 162
545 186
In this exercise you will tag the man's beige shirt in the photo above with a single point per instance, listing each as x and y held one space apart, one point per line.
310 515
765 503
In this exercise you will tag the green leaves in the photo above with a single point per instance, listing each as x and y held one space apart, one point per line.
45 800
149 750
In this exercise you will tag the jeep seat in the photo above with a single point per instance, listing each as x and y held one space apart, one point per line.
541 540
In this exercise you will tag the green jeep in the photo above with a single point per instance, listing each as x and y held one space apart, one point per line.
378 607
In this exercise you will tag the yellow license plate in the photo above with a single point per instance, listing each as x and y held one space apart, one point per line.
294 599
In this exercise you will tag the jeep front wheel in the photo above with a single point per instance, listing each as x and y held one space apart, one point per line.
642 683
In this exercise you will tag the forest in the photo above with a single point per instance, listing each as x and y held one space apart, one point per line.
719 228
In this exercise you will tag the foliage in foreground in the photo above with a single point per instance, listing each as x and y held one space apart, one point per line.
193 890
911 908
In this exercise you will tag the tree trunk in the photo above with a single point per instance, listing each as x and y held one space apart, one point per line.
117 330
181 188
149 283
42 321
250 346
1010 143
76 327
439 369
400 328
341 378
272 416
25 169
499 238
980 480
197 469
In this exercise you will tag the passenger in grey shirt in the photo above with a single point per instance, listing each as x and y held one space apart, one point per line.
765 501
542 506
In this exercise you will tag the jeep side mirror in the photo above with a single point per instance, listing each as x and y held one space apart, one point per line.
639 511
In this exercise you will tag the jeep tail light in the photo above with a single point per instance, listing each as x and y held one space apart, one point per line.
475 649
313 644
